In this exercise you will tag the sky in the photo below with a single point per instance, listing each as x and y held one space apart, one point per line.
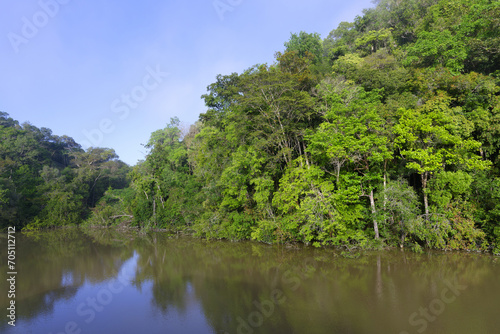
108 72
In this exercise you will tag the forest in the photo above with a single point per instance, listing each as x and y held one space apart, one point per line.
384 133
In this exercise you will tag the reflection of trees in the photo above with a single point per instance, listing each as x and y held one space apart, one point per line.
163 264
222 275
371 294
53 265
322 288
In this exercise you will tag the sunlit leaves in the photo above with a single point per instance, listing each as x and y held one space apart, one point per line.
430 138
312 210
304 43
438 48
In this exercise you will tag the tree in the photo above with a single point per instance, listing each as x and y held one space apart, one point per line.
313 211
374 40
304 43
275 109
340 41
91 171
434 137
459 35
398 209
164 186
353 133
438 48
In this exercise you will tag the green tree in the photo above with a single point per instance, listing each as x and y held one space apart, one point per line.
163 184
434 137
354 135
340 41
304 43
398 209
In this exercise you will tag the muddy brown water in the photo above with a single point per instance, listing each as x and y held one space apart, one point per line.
101 281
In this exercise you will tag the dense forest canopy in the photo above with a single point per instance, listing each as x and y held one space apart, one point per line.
385 132
48 180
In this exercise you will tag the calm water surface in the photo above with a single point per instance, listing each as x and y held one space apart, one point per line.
101 281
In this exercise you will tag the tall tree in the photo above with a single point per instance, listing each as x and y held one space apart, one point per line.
436 136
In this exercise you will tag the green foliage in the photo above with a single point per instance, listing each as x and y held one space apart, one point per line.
48 180
236 180
304 43
485 191
268 231
434 137
464 234
387 132
438 48
340 41
454 230
448 186
398 208
313 212
461 35
291 153
374 40
430 138
114 208
164 187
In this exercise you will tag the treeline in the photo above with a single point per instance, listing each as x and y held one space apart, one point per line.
48 180
385 132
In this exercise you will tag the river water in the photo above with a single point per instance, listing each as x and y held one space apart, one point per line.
101 281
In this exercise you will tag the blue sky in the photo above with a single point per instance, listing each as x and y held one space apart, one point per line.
110 72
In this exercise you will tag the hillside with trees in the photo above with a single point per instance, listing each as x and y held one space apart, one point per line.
386 132
48 180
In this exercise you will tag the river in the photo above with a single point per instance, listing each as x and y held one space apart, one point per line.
102 281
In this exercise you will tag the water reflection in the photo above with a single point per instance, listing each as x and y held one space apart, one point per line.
109 282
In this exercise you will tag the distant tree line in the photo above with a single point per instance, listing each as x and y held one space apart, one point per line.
48 180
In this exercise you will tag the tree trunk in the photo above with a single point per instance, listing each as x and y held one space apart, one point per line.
385 183
338 173
424 177
403 236
154 210
375 224
305 154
